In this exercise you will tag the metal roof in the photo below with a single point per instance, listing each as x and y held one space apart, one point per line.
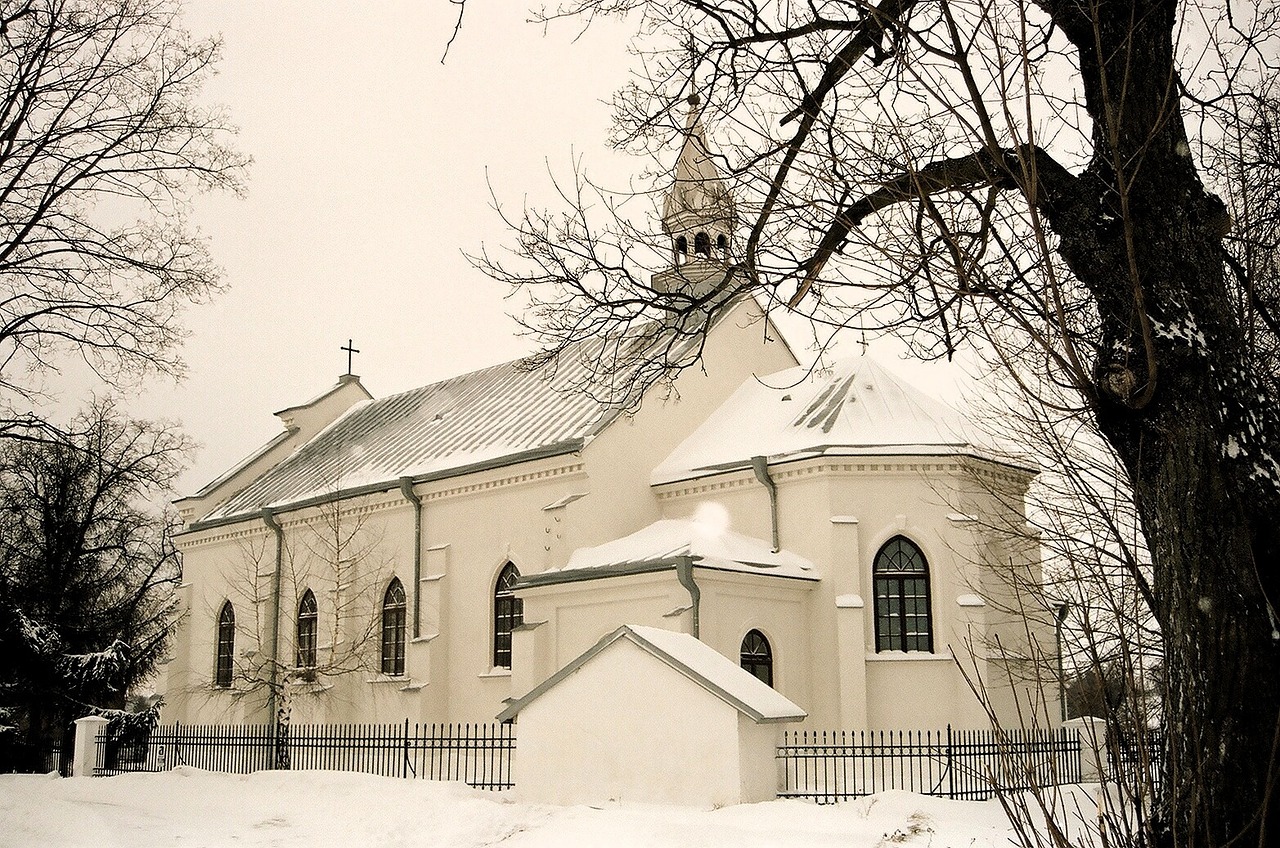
492 417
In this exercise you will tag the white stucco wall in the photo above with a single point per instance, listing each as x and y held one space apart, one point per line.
627 727
838 512
472 525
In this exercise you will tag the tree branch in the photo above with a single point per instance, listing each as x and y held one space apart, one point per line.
1026 168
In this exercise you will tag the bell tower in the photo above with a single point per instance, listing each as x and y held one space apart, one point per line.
697 215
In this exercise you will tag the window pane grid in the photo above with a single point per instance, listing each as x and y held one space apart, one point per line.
307 615
901 589
756 657
393 630
226 645
508 614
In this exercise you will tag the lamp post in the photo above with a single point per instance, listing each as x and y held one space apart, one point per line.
1060 619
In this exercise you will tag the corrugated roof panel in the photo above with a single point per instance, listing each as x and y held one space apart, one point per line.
497 412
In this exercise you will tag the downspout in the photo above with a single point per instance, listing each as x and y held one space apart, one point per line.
760 465
684 573
406 489
269 518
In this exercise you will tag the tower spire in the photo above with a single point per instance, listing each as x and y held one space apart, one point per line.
698 212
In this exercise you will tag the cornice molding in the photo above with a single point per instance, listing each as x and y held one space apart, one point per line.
842 467
252 525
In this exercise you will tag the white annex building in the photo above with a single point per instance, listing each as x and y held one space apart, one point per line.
442 554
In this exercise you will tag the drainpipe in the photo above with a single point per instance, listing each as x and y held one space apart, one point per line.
684 573
760 465
406 489
269 518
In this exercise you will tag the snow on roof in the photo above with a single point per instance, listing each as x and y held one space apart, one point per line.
696 660
494 416
855 407
710 543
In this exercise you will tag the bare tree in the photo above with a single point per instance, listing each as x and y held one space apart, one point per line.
87 568
1094 593
1026 175
315 623
102 143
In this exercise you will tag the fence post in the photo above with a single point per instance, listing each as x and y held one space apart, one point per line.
951 770
404 766
91 733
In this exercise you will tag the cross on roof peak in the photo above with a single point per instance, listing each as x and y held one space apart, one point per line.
351 350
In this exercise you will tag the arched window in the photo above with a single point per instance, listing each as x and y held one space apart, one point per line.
702 244
682 246
307 631
902 598
722 244
226 646
757 658
508 613
393 618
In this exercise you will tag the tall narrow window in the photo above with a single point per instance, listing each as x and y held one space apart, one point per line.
226 646
393 620
508 613
757 657
307 630
902 598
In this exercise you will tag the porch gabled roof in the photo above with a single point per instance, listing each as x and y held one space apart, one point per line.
696 660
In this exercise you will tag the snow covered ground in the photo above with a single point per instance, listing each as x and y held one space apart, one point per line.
188 807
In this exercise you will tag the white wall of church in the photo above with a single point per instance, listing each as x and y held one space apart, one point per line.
471 526
346 556
733 604
619 461
838 512
564 620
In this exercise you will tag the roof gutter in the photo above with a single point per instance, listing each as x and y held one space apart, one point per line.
551 578
406 489
760 465
269 519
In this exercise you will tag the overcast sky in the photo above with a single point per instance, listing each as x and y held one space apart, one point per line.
371 174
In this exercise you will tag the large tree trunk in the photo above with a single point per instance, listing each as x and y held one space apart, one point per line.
1196 431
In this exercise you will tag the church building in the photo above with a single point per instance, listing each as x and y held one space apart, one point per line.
442 552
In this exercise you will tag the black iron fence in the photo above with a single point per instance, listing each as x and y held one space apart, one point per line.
830 766
477 754
19 754
1136 759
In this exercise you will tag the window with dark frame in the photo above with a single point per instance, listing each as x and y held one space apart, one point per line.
508 613
903 619
307 615
393 629
226 646
757 657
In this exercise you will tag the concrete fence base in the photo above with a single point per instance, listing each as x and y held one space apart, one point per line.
1093 747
